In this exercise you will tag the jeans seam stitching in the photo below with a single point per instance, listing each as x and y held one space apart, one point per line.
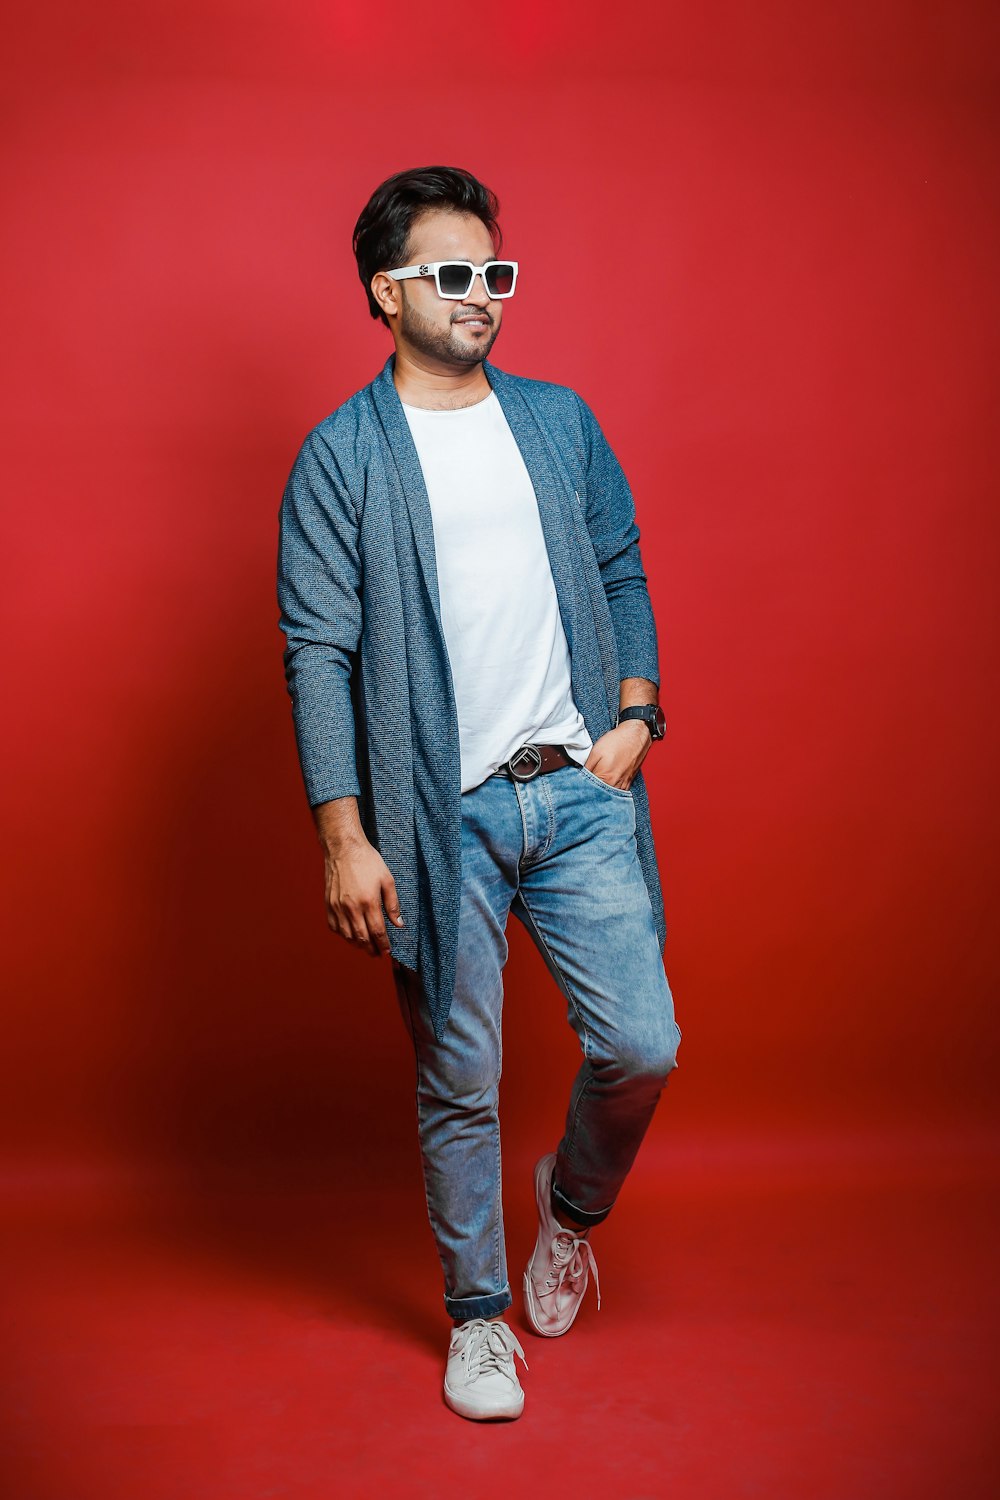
490 1297
497 1232
550 820
590 1212
524 825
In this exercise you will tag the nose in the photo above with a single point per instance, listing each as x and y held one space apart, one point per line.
477 293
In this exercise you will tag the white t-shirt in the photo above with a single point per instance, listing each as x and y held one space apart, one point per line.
499 609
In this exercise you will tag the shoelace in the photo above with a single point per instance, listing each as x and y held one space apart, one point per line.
570 1257
489 1346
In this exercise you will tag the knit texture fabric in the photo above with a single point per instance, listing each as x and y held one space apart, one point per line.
365 659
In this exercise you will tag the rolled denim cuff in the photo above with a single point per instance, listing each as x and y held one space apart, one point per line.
579 1215
461 1309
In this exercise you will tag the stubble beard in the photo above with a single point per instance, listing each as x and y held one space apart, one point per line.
447 345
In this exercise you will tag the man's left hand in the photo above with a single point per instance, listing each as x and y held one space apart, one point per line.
619 753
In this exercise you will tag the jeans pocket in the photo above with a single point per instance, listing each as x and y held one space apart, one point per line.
616 791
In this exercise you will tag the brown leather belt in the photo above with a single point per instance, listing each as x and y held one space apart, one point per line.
534 760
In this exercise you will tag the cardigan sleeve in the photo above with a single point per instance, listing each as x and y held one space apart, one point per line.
319 580
610 517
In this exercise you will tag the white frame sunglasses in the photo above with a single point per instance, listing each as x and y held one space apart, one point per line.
433 268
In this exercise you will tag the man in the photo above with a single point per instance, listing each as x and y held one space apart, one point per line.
472 661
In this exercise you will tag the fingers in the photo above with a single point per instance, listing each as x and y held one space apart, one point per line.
613 778
391 902
378 942
361 923
376 927
355 921
349 924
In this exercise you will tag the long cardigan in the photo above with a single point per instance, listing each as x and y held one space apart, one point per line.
366 664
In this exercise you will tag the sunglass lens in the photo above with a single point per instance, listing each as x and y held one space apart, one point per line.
500 279
456 278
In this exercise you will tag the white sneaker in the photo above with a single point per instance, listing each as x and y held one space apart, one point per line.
480 1380
559 1269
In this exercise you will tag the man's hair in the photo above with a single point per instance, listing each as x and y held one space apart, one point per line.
382 232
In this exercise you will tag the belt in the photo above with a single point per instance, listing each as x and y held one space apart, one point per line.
534 760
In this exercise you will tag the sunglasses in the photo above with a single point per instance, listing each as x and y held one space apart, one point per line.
454 278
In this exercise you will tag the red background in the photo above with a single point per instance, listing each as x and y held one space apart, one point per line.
761 242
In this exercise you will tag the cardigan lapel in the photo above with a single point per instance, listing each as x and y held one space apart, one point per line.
389 410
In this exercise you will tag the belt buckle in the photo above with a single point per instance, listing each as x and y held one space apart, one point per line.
535 757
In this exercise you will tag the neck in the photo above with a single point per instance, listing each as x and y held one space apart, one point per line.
419 383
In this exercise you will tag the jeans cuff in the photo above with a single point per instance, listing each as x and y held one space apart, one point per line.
464 1308
579 1215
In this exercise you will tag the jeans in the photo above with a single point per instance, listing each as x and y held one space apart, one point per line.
560 852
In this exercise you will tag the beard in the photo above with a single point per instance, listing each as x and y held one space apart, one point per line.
446 344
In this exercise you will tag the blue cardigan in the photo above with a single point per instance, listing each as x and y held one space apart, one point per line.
365 660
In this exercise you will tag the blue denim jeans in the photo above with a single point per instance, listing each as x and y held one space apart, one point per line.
559 851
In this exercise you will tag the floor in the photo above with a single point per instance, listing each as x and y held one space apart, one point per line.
782 1317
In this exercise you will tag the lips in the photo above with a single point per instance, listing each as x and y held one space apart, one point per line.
479 322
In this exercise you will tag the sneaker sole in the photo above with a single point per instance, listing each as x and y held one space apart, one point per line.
474 1413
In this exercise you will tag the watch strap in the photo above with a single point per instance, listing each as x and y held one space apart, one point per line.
648 712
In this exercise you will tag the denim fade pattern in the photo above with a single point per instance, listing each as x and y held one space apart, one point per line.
365 658
559 851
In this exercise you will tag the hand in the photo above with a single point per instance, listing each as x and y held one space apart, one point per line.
618 754
358 884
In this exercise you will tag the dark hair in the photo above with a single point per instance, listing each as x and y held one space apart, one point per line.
382 232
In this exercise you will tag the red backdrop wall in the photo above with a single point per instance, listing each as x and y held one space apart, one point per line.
761 242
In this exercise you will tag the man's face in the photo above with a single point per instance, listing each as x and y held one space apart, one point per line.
451 333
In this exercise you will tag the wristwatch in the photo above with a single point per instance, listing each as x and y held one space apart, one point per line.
651 714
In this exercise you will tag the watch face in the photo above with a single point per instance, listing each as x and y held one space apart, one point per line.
661 723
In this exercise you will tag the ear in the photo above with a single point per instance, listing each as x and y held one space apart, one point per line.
387 294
